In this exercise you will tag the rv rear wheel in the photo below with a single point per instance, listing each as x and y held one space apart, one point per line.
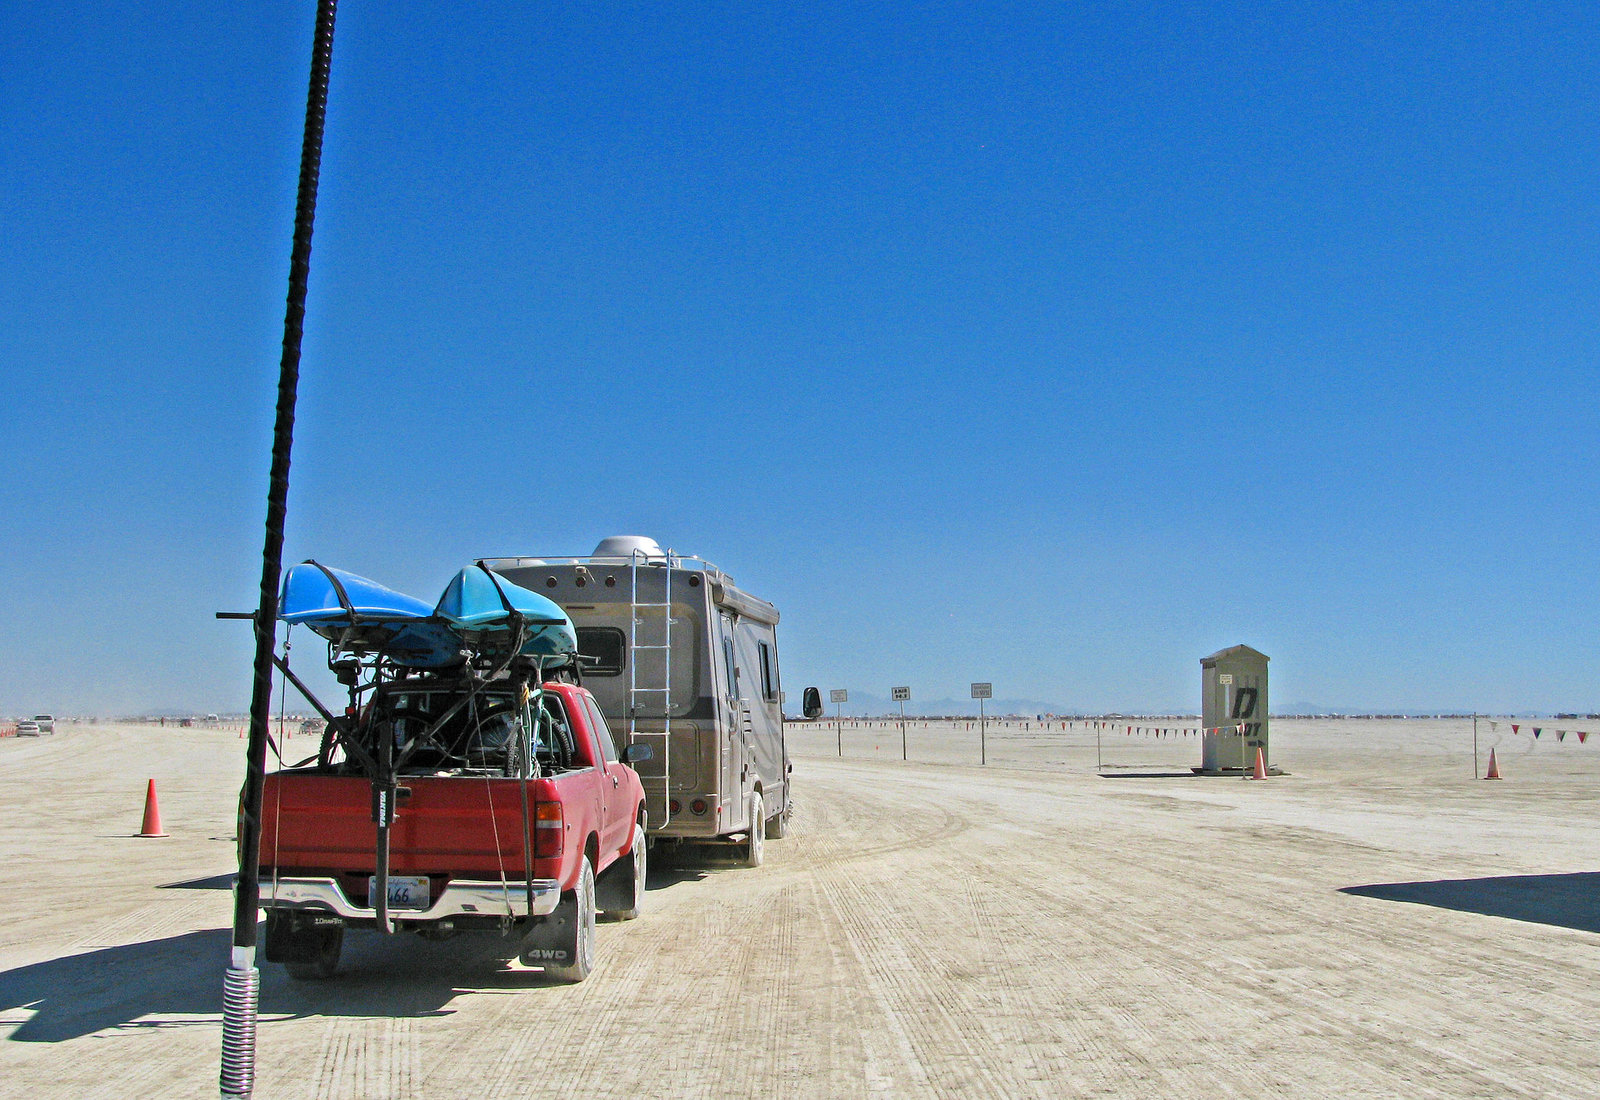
753 845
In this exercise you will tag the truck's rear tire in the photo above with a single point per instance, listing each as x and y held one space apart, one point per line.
581 941
754 846
632 865
317 951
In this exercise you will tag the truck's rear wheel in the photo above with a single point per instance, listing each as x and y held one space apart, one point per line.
581 941
315 954
754 847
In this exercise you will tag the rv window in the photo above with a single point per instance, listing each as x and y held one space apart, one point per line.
605 643
769 673
733 668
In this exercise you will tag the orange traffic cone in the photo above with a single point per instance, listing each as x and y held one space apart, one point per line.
1260 771
152 813
1494 769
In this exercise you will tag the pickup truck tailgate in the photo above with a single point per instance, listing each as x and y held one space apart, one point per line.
444 825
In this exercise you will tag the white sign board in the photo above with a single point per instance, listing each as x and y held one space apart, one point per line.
838 695
983 691
901 694
1225 678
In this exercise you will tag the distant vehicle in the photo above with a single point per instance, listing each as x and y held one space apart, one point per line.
681 660
45 722
27 728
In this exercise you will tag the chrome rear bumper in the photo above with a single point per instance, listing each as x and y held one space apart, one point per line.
462 897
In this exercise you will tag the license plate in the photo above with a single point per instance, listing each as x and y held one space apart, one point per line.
405 891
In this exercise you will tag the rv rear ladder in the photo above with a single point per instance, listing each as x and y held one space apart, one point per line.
636 690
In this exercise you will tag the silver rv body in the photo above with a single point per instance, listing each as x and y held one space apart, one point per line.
682 660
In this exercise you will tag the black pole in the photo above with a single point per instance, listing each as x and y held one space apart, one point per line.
241 984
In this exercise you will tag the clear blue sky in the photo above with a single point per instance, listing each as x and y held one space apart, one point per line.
1055 345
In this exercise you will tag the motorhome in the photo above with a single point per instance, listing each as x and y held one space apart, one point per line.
679 658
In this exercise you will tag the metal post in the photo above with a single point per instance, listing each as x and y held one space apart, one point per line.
902 729
1097 765
983 736
241 983
838 728
1475 745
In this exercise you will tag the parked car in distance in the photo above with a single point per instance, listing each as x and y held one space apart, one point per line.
45 722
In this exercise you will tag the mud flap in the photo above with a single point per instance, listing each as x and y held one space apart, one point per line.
298 937
553 940
615 890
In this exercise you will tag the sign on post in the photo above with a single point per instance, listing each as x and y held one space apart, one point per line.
901 694
838 695
980 692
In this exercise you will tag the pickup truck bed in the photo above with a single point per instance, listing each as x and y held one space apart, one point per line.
462 841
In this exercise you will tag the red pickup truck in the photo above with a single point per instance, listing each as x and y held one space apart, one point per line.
509 809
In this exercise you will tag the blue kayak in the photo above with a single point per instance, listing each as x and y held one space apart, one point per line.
362 616
481 605
314 593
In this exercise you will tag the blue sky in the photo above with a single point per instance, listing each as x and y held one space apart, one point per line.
1051 345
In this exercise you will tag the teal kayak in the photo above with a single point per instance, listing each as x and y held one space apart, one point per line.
481 605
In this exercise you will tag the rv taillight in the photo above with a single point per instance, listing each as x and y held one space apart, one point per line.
675 807
548 829
698 807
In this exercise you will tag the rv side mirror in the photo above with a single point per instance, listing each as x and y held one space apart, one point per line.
811 704
633 754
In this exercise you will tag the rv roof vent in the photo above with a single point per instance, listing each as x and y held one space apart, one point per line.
625 546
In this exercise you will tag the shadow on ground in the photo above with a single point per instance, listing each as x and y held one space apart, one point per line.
114 986
1564 901
152 984
224 881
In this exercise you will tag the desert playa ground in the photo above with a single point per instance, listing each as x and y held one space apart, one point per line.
1375 923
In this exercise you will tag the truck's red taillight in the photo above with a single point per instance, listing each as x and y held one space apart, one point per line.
548 828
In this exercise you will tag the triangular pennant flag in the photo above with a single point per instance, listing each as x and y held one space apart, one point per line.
1583 735
1535 732
1561 735
1513 727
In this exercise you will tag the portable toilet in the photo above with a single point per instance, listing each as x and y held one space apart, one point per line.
1233 692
